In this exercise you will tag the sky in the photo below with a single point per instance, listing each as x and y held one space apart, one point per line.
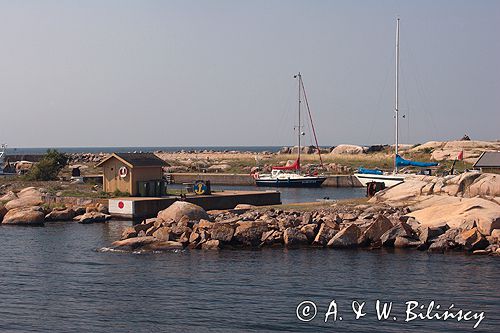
212 73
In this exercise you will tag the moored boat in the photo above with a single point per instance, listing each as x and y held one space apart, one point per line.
366 176
291 176
279 177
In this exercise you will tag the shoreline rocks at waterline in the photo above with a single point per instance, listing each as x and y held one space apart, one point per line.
362 226
25 216
29 208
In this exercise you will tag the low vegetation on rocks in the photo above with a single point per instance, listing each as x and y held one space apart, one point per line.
48 167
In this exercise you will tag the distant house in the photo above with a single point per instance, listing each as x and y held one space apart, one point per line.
124 171
489 161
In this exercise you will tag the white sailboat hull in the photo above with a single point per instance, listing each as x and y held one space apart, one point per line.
279 178
388 179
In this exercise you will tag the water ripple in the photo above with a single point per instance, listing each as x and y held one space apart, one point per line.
64 278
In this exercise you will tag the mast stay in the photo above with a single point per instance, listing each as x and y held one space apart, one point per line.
312 123
396 106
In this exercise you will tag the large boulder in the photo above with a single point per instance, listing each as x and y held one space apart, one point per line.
285 150
310 231
456 212
347 149
472 240
61 215
144 226
92 217
472 149
427 234
402 229
212 244
460 183
451 149
8 196
222 232
324 235
294 238
29 192
163 246
428 146
441 245
404 242
128 232
487 184
373 233
29 198
445 241
399 194
272 237
162 233
347 237
495 234
182 208
250 232
25 216
134 242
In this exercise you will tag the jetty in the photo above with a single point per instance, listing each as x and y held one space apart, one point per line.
146 207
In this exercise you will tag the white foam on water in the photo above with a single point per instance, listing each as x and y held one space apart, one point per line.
110 249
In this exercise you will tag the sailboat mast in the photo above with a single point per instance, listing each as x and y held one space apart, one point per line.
396 106
300 101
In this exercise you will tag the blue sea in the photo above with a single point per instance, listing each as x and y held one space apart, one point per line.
40 151
62 278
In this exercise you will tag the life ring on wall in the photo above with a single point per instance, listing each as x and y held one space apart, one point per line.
255 175
123 172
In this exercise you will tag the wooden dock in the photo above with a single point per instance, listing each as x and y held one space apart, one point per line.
144 207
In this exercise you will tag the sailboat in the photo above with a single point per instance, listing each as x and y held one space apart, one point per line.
290 176
366 176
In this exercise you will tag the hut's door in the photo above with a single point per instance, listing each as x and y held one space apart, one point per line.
113 177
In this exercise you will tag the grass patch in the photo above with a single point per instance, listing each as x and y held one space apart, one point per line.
317 205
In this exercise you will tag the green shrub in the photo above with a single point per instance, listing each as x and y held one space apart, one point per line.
118 193
49 166
427 150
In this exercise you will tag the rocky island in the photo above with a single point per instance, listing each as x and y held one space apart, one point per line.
435 214
432 213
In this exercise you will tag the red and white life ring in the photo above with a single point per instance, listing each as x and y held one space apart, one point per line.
123 172
255 175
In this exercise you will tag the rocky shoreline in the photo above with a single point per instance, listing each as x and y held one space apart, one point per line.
435 214
29 207
356 227
404 216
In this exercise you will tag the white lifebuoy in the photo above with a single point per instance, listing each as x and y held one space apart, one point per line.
123 171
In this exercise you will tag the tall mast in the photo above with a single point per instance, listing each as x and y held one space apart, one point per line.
396 107
300 101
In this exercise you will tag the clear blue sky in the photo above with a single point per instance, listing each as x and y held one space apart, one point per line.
169 73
